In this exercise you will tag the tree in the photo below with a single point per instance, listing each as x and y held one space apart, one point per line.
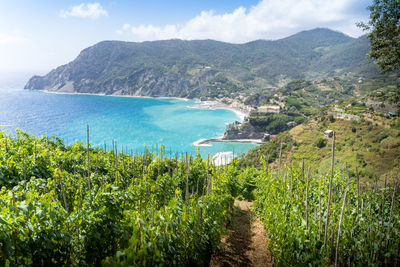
384 33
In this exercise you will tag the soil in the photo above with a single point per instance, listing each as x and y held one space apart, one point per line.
246 242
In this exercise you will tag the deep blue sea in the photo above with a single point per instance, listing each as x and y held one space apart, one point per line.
131 122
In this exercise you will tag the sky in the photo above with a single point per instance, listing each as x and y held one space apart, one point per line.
37 36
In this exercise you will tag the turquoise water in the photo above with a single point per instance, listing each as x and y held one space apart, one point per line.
131 122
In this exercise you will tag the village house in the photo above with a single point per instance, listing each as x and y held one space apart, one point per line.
328 133
346 116
269 109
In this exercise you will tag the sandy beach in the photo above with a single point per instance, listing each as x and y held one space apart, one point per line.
212 105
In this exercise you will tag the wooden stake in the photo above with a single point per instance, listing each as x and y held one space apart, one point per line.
332 243
391 211
280 160
308 181
97 163
320 209
340 224
358 191
116 162
62 191
330 189
25 166
88 159
187 182
315 213
383 201
391 206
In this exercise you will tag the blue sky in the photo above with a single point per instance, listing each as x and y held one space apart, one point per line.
41 35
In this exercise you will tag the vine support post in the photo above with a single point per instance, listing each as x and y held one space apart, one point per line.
25 166
332 243
320 208
340 224
88 158
330 189
391 211
62 190
280 160
383 202
15 233
358 191
308 183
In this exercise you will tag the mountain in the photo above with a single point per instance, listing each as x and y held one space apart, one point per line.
206 67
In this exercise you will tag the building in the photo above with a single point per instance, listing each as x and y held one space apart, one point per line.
346 116
269 109
328 133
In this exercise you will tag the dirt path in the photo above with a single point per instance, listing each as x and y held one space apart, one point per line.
246 243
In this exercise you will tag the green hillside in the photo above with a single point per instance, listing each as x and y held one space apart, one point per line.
371 144
206 67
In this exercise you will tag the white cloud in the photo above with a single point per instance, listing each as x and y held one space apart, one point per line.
90 10
7 38
269 19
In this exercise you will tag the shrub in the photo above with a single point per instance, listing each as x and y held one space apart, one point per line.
320 143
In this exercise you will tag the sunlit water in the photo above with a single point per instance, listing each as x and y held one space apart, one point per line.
131 122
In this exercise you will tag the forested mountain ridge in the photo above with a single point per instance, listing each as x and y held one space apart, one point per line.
206 67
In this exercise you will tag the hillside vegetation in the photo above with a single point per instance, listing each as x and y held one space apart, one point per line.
79 206
371 144
207 68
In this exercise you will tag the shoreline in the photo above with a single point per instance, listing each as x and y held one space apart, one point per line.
205 142
213 105
210 105
99 94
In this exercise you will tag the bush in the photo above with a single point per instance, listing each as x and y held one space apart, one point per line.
320 143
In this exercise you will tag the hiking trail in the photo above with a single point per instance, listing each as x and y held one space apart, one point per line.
246 242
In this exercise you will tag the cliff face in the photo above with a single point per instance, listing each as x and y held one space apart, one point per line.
198 68
146 82
243 131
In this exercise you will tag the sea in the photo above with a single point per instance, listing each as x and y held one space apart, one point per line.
133 123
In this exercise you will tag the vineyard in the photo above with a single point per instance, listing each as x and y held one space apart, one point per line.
82 206
73 205
328 220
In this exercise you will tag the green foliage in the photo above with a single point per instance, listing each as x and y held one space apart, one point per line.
296 85
269 150
384 26
144 210
321 142
369 232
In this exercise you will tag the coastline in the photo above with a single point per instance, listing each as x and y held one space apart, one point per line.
205 142
211 105
98 94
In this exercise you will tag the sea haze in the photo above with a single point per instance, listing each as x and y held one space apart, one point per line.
131 122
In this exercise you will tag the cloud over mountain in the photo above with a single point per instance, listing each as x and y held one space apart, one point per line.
268 19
